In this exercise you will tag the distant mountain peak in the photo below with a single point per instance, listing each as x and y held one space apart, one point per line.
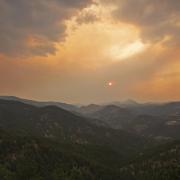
130 102
65 106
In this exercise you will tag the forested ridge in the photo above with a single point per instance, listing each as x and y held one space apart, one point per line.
50 143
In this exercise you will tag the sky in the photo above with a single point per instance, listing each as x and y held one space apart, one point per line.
90 51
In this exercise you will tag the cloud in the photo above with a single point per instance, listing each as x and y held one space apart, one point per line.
33 27
157 20
87 17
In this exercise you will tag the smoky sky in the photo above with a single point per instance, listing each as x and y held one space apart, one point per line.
156 19
70 49
33 27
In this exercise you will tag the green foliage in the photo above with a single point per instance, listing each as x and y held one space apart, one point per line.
31 158
162 163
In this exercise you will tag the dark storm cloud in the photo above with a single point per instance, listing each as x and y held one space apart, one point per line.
33 27
157 19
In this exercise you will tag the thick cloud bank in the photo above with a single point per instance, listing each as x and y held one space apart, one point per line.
32 27
158 19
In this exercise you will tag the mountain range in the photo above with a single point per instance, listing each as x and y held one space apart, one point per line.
53 140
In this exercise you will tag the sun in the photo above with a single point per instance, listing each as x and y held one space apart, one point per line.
110 83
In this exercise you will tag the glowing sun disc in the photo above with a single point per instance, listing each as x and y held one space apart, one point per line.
110 83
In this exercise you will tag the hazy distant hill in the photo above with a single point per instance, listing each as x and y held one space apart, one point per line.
89 109
116 117
56 123
66 106
161 121
126 103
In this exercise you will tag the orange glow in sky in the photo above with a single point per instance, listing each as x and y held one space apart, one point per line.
110 83
121 50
